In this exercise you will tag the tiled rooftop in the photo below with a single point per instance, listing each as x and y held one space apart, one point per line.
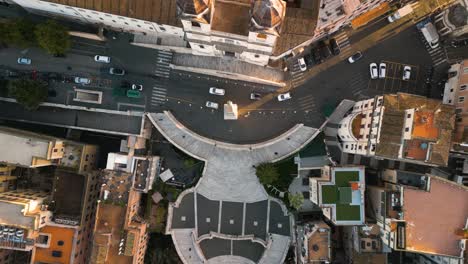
231 17
318 244
424 126
57 233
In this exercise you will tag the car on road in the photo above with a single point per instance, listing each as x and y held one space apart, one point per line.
382 70
284 97
24 61
302 64
103 59
255 96
137 87
406 73
217 91
117 71
334 47
210 104
82 80
355 57
374 73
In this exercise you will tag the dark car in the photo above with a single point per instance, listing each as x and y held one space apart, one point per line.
334 47
309 60
324 50
316 55
116 71
459 43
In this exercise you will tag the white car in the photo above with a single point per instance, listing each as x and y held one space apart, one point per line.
217 91
302 64
374 74
284 97
103 59
82 80
24 61
355 57
211 105
382 70
138 87
406 73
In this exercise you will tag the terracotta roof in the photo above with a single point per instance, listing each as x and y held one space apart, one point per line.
57 233
159 11
393 125
231 17
434 219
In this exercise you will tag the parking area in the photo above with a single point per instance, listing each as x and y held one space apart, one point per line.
393 81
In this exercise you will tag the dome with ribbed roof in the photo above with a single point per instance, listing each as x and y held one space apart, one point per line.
193 7
268 13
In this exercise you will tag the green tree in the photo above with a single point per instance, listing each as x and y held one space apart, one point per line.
296 200
19 32
29 93
53 37
267 173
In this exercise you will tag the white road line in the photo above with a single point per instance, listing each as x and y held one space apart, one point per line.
159 88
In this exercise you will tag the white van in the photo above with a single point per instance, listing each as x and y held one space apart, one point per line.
100 58
430 34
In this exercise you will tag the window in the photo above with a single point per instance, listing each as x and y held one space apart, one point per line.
458 110
195 24
107 15
463 87
257 56
406 129
459 119
162 28
461 99
408 116
126 23
449 101
60 243
262 36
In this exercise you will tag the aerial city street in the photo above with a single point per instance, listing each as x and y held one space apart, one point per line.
233 131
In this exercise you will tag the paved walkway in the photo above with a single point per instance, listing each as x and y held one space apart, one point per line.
229 173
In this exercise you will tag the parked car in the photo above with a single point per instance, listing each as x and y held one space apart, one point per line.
309 60
406 73
374 74
133 94
456 43
255 96
116 71
103 59
211 105
137 87
302 64
217 91
24 61
82 80
316 55
334 47
284 97
324 50
355 57
382 70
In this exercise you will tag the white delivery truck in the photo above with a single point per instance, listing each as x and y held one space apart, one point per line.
430 34
400 13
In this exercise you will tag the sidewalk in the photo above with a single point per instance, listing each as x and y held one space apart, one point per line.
238 69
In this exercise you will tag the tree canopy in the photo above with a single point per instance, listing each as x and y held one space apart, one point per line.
29 93
53 37
267 173
296 200
18 32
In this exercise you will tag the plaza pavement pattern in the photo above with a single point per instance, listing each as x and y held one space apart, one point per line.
228 217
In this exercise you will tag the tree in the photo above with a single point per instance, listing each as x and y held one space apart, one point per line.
18 32
296 200
53 37
29 93
267 173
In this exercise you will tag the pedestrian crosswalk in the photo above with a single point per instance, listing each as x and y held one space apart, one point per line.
307 103
438 55
298 77
163 61
343 42
159 94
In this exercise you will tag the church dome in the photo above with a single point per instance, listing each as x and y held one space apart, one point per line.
268 13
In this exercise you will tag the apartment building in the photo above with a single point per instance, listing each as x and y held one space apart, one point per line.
340 193
316 244
403 205
6 179
455 93
33 150
255 31
401 127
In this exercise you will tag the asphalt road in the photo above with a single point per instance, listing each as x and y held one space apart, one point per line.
185 94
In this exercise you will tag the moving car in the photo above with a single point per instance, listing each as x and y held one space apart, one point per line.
406 73
211 105
334 47
284 97
374 74
103 59
82 80
355 57
217 91
302 64
382 70
255 96
24 61
138 87
116 71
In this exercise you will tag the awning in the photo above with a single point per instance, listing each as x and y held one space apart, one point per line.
370 15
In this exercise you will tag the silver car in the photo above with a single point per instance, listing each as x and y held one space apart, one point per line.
82 80
24 61
217 91
211 105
